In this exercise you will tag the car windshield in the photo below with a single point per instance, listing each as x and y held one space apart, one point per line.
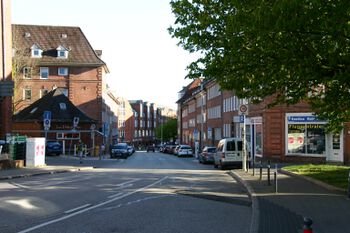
120 147
211 149
185 147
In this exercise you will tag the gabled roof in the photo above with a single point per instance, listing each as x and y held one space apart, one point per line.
49 38
189 89
52 101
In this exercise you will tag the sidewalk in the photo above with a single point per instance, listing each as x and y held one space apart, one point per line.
53 165
283 212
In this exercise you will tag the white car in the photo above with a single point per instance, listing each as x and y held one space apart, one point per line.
184 150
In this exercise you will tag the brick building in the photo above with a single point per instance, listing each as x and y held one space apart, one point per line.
6 84
284 133
50 57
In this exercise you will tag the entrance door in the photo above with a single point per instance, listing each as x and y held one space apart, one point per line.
336 148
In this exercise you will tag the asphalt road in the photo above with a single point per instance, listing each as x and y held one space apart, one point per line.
148 193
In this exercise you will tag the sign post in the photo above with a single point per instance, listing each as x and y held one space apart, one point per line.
47 122
243 111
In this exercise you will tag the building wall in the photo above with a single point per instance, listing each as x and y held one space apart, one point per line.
5 66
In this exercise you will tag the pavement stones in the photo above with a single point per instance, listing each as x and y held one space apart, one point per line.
283 212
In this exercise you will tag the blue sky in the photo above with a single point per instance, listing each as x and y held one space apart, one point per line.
144 61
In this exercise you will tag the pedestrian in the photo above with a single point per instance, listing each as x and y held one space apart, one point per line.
102 150
80 150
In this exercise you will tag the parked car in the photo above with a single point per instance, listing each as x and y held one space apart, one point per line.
229 152
53 148
151 148
120 150
184 150
207 155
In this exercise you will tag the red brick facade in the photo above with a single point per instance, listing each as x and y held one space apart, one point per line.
281 133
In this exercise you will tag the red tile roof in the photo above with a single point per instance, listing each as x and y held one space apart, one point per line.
49 38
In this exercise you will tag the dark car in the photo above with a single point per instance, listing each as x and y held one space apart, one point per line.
53 148
120 150
207 155
151 148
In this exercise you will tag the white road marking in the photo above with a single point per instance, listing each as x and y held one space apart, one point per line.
78 208
91 207
115 195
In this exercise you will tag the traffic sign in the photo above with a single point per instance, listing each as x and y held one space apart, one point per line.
47 115
75 122
243 109
47 124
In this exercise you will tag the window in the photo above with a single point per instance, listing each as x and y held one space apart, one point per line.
62 71
63 106
27 94
36 51
44 72
62 52
43 92
305 135
27 73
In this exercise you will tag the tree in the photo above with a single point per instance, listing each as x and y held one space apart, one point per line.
169 130
21 59
292 50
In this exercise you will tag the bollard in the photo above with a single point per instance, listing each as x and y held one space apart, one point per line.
349 185
260 178
307 228
268 173
275 177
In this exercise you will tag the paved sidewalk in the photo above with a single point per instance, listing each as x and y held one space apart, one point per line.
283 212
53 165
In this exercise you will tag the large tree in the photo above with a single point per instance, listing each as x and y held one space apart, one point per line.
294 50
168 130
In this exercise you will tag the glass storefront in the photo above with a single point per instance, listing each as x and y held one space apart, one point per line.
305 135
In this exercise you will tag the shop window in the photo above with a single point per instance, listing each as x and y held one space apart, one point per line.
306 138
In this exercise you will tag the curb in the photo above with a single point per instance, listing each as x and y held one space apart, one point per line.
317 182
254 224
45 173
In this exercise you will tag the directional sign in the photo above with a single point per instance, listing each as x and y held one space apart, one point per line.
47 115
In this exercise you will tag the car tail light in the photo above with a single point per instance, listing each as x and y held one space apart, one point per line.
223 155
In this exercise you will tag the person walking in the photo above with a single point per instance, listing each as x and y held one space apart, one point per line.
102 151
80 151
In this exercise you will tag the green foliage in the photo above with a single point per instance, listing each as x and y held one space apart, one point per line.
169 130
291 49
330 174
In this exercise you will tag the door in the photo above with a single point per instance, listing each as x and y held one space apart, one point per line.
336 148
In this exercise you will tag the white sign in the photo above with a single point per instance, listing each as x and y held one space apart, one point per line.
243 109
47 124
75 121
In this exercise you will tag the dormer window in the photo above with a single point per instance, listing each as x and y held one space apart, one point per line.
36 51
62 52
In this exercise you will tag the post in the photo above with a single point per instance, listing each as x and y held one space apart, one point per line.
244 165
260 168
268 173
307 228
275 176
349 185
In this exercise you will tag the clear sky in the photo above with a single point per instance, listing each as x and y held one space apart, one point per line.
144 61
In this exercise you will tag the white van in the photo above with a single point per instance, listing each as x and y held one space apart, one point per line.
229 152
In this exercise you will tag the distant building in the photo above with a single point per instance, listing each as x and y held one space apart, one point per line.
147 116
